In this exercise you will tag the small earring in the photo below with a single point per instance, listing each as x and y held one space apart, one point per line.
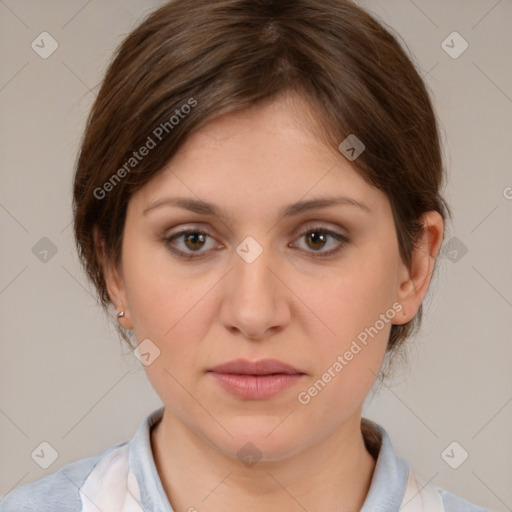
120 314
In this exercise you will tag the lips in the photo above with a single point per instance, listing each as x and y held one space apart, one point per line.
262 367
255 380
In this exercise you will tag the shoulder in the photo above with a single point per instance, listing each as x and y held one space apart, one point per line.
453 503
399 485
430 498
57 492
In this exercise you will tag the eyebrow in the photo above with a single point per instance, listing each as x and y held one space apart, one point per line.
204 208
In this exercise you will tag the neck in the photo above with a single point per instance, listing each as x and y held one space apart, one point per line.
334 474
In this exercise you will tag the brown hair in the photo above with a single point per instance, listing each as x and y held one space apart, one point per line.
192 60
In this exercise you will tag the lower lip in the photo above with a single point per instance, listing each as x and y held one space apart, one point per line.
256 387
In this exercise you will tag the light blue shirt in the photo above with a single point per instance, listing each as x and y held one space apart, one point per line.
124 479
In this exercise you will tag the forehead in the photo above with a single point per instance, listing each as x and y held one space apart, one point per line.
258 159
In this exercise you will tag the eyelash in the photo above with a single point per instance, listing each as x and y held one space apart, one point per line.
342 241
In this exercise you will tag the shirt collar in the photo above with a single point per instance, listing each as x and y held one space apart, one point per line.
143 466
386 492
389 479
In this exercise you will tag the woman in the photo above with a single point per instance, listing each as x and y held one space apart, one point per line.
257 201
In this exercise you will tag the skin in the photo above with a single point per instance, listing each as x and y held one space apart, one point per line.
289 304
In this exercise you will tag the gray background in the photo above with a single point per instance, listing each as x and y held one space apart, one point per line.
67 380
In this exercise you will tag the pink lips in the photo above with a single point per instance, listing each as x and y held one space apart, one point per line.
257 380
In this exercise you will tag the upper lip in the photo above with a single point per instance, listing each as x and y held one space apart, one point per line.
261 367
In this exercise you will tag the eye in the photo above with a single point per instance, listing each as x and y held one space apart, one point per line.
317 238
189 243
192 240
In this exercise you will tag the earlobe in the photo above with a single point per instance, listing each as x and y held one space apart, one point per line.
116 291
414 281
113 281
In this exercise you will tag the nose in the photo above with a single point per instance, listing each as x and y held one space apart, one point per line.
255 300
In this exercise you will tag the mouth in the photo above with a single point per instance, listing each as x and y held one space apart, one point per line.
255 380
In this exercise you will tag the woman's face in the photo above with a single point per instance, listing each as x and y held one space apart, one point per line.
262 278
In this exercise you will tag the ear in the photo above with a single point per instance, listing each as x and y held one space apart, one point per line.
113 280
414 281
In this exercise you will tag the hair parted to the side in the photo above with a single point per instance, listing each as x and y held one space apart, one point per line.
226 55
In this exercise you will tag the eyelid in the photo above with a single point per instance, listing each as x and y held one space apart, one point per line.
322 229
324 225
187 230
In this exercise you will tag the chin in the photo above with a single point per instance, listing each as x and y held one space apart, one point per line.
265 438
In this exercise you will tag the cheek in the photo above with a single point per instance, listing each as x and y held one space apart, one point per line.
158 294
355 302
170 307
167 309
354 294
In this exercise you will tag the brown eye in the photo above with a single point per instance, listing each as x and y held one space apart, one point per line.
317 239
187 242
194 241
